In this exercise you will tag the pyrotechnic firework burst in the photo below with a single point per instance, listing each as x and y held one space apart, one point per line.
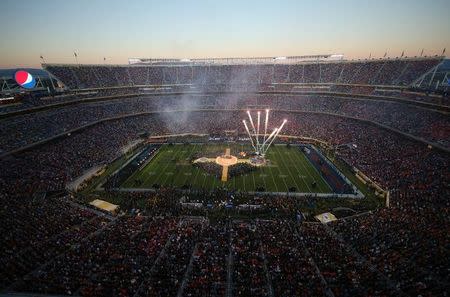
261 147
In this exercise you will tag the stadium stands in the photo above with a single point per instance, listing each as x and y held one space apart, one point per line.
375 72
55 245
29 128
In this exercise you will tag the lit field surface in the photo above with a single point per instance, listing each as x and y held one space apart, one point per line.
171 166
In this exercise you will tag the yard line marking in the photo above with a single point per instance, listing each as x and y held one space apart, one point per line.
147 167
191 151
198 171
273 179
301 169
292 176
304 169
279 170
328 188
263 176
165 168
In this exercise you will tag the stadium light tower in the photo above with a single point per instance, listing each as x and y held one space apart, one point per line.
254 135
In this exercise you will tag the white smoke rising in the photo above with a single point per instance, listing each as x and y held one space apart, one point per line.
236 82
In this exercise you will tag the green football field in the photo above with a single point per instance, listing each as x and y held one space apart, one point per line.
171 166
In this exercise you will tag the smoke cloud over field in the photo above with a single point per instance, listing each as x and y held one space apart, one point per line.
229 95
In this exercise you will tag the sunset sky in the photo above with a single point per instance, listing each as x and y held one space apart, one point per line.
233 28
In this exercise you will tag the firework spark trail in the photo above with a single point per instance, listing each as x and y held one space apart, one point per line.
262 147
249 135
265 128
276 135
251 121
257 132
270 137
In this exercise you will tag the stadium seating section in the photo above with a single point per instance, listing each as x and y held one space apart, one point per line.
53 245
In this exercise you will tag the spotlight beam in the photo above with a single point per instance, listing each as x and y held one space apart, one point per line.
275 136
261 147
265 126
249 135
253 125
270 136
257 131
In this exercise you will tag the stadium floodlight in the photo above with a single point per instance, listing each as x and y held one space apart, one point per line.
261 148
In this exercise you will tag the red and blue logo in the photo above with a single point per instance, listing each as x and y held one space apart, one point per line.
25 79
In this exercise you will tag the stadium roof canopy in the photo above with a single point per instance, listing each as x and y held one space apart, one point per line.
9 73
438 78
9 86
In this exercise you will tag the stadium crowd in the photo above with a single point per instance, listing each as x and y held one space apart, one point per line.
29 128
54 245
375 72
392 251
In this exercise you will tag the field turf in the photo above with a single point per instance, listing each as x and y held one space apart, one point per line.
171 166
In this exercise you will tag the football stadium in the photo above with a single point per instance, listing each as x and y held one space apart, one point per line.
318 174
